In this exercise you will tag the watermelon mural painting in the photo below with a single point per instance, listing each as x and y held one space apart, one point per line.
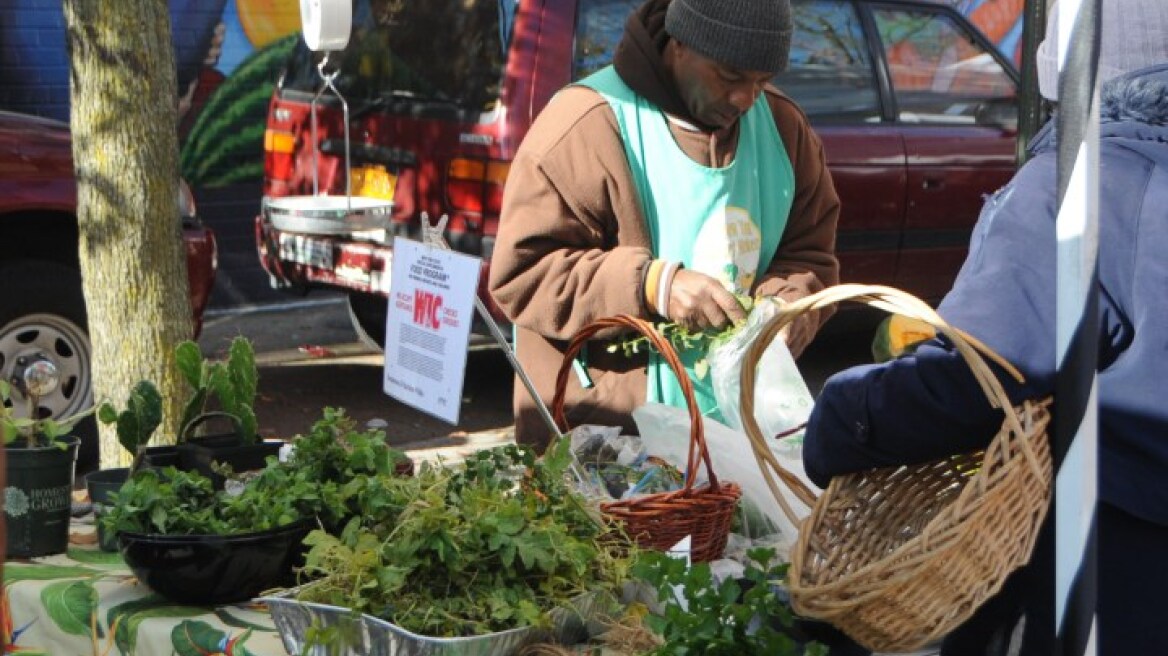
227 56
222 137
224 144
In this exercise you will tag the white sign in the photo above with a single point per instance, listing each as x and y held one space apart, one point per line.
427 328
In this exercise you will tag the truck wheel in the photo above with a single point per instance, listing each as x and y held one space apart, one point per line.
42 317
367 313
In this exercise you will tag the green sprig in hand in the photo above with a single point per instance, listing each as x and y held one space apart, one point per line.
683 339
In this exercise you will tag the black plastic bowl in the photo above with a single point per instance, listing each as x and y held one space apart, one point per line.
215 569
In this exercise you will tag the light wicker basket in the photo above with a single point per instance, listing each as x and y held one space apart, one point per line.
898 557
658 521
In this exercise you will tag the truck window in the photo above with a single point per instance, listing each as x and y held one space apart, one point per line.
441 51
830 72
939 72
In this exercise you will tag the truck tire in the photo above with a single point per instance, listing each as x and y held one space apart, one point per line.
42 315
367 313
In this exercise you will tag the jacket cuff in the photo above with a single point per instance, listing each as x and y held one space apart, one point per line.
651 285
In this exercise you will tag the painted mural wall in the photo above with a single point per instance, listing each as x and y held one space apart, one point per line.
228 54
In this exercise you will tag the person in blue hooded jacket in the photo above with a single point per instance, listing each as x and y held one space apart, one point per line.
927 405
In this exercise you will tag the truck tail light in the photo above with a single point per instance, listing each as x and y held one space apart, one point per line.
476 185
278 149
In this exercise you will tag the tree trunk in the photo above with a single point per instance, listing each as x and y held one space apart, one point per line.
125 152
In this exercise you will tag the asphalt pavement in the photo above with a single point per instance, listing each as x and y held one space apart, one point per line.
309 358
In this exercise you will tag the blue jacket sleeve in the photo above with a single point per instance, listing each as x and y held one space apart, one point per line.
928 405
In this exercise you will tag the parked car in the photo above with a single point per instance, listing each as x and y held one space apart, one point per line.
916 109
42 309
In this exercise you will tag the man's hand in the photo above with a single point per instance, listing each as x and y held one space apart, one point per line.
799 333
699 302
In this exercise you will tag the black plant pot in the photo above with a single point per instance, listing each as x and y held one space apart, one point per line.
38 499
198 454
160 457
101 484
215 569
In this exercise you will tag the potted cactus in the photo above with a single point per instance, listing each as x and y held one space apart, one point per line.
224 391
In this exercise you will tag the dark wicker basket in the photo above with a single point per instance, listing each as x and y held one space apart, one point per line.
658 521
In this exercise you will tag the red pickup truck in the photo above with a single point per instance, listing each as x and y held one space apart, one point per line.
42 310
917 112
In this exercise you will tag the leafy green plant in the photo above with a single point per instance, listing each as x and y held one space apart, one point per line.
682 339
34 431
136 424
334 449
311 484
231 385
176 502
733 617
488 546
166 502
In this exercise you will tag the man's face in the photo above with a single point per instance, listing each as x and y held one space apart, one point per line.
715 94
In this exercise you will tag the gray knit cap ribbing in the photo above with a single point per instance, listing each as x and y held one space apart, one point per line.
752 35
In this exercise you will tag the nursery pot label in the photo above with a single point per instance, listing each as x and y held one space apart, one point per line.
38 500
427 329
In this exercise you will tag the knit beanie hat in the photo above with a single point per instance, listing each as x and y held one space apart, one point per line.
1133 34
750 35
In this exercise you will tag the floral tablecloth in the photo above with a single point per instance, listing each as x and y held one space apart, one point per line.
87 602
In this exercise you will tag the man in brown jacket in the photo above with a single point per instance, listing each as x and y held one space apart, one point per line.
595 223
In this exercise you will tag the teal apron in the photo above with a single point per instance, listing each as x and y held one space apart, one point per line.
737 213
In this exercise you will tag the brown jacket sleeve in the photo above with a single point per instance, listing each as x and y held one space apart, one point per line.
572 244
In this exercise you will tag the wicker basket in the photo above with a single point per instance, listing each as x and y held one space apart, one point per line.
659 521
899 557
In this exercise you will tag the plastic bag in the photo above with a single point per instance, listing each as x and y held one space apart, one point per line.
782 401
618 466
664 432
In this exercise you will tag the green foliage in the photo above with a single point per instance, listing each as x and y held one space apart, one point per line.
311 484
35 432
232 384
136 424
729 618
336 450
488 546
166 502
682 339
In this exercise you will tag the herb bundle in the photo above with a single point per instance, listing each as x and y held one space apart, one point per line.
683 339
309 485
489 546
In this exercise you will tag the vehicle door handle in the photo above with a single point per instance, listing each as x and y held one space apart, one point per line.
932 183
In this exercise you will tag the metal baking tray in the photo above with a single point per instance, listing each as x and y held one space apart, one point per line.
364 635
328 215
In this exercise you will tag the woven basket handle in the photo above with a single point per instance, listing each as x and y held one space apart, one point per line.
698 453
890 300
